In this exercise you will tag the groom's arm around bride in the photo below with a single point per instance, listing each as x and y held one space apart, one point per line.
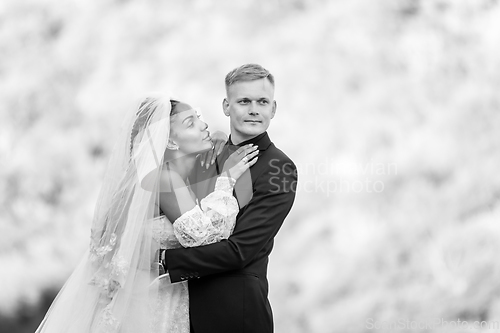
228 284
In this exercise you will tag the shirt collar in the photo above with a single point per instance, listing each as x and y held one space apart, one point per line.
262 141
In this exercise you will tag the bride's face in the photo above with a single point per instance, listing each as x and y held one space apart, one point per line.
188 131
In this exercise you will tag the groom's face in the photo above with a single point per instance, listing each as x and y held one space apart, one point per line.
250 106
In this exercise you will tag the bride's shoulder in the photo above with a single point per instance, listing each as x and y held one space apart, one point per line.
170 179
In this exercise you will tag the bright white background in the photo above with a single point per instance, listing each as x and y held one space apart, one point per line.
389 108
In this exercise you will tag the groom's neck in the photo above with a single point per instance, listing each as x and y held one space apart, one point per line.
237 139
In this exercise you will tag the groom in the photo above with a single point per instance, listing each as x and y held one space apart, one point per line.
228 286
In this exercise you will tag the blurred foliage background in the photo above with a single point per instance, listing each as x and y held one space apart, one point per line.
389 108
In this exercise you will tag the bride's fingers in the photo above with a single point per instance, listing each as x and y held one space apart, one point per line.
249 159
249 150
247 164
252 148
244 149
252 155
252 161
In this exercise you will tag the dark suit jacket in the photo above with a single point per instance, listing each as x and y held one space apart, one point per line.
228 286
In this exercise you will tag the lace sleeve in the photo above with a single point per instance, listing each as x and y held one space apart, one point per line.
213 220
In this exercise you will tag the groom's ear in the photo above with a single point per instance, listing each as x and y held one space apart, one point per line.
225 107
273 112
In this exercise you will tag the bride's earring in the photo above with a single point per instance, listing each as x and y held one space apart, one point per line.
172 145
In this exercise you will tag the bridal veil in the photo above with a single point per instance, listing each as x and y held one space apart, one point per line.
110 289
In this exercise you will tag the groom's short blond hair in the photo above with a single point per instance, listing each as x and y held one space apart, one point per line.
248 72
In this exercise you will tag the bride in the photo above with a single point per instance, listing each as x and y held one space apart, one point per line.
146 206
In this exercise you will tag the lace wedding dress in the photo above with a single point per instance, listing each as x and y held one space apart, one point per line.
210 222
